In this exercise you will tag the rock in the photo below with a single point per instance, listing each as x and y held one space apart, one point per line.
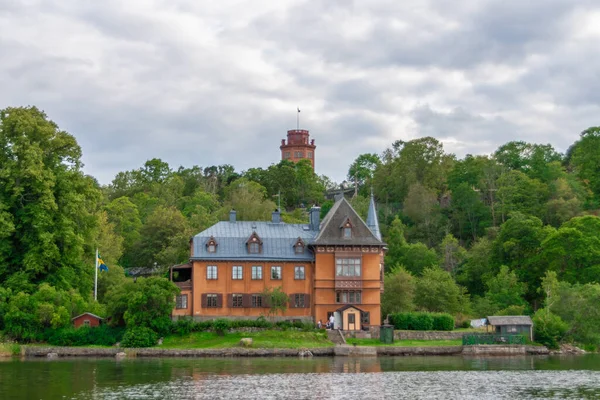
160 341
570 349
120 355
246 342
52 355
304 353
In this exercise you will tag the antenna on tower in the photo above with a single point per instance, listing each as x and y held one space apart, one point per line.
298 119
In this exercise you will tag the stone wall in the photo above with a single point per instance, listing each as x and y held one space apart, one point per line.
505 350
419 351
203 318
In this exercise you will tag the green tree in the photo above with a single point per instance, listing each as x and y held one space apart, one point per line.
476 268
585 159
276 299
399 292
505 290
414 257
47 217
452 254
518 192
147 302
362 169
249 200
436 291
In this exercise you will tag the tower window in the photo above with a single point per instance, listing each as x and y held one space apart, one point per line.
310 154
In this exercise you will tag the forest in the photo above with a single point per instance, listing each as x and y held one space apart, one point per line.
509 233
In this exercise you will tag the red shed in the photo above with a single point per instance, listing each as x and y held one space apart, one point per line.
86 319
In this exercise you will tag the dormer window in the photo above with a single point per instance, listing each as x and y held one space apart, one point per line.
346 228
254 244
299 246
211 245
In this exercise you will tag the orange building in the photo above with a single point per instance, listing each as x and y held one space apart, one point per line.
327 268
298 147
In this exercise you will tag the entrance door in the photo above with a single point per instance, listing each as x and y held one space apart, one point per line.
338 320
352 322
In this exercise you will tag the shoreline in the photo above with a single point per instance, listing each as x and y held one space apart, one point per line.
347 350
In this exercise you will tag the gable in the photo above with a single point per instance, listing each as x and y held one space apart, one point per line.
338 217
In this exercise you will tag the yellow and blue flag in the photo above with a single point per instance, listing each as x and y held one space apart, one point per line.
101 265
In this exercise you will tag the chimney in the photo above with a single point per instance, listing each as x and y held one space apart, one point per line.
232 215
276 216
315 218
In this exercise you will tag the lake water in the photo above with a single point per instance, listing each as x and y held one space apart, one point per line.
291 378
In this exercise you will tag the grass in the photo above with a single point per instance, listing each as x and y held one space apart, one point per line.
9 349
264 339
405 343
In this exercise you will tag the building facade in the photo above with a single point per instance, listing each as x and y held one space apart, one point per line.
299 146
323 267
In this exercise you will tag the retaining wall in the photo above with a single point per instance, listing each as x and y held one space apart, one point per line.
506 350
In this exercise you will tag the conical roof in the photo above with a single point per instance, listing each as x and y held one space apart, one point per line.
372 221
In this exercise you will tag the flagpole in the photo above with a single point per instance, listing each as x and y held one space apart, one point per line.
96 277
298 119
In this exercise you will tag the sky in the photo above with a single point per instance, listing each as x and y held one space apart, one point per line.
204 82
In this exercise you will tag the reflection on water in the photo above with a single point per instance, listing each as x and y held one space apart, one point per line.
291 378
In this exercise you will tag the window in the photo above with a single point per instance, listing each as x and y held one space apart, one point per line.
365 318
310 154
299 300
211 245
347 296
299 154
256 272
299 249
86 322
347 267
275 273
253 248
299 272
347 233
211 272
237 301
286 154
211 300
181 301
257 300
237 272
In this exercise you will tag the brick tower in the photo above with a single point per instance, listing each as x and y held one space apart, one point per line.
298 147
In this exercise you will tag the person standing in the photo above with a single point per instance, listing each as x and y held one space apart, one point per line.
331 321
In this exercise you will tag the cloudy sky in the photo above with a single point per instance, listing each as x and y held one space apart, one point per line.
204 82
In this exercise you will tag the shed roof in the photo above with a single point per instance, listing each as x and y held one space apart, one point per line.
510 320
87 313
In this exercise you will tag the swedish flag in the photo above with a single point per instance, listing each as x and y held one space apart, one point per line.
101 265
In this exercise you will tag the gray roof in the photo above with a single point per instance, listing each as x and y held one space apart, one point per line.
278 241
510 320
372 221
330 232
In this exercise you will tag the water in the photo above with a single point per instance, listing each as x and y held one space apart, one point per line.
291 378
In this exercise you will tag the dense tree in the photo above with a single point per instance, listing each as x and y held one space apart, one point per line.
452 254
436 291
399 292
585 159
249 200
414 257
362 169
47 218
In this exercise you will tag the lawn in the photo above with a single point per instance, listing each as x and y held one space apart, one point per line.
263 339
405 343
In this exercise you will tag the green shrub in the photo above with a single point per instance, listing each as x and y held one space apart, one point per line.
283 325
548 329
443 322
466 324
139 337
221 325
422 322
203 326
162 325
102 335
183 326
400 321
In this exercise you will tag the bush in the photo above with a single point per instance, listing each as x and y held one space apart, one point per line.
422 322
466 324
283 325
221 326
443 322
183 326
102 335
139 337
548 328
400 321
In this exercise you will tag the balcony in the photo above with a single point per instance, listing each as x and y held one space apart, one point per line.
348 284
185 285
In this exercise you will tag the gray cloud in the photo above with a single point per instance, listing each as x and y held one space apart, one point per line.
199 83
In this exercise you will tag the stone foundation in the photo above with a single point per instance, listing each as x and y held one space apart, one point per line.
427 335
506 350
